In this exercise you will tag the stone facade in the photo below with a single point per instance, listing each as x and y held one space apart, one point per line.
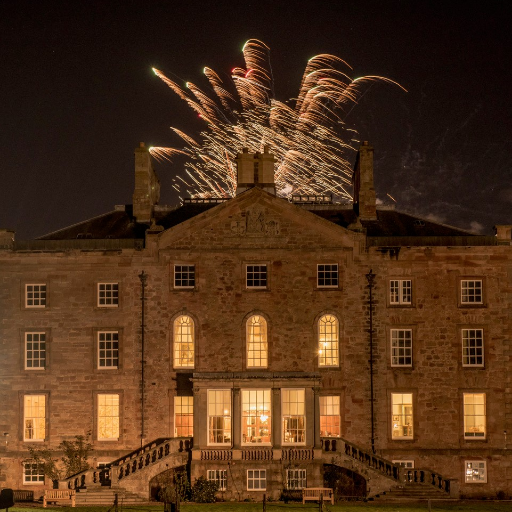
427 369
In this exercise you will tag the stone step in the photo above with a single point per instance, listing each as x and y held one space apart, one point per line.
106 497
412 492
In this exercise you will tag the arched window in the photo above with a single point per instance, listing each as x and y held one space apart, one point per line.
257 347
184 342
328 341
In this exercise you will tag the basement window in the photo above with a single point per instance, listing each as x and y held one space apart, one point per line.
476 472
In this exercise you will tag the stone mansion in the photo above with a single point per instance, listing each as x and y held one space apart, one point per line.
259 341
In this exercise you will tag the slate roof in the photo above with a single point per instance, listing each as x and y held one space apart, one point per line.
390 225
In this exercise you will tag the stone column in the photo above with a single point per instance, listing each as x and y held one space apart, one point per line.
276 418
236 419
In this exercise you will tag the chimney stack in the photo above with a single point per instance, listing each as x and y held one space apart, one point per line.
362 180
147 186
255 170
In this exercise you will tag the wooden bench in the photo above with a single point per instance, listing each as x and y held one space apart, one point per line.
317 493
56 495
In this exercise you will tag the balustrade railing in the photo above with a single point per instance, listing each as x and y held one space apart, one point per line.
298 454
216 455
426 476
258 454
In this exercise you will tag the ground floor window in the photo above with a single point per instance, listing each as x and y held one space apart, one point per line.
108 417
294 416
476 472
219 416
296 479
219 476
256 416
183 416
474 416
33 473
401 416
256 479
329 416
35 418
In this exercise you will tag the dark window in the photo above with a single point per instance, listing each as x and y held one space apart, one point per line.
256 276
327 276
184 276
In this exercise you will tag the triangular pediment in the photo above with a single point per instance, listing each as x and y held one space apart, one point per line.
256 218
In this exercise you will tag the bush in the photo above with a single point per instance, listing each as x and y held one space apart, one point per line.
203 491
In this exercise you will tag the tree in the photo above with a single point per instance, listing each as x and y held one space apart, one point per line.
73 461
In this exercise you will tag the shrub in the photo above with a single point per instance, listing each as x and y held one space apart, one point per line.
203 491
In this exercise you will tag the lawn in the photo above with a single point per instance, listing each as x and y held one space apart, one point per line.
459 506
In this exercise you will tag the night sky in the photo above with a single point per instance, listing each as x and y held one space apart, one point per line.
78 95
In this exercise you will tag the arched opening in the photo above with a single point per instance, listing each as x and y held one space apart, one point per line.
347 484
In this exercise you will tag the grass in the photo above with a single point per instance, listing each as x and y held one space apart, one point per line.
462 506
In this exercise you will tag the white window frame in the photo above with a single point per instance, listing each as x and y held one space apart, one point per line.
475 471
401 347
184 273
400 292
35 293
184 342
472 431
108 421
110 351
37 350
471 289
254 273
472 347
219 411
402 419
328 341
330 407
407 464
258 419
256 342
35 475
296 478
258 477
34 417
108 294
293 411
184 408
327 273
219 476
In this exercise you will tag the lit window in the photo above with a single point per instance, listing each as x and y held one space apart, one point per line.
256 276
34 417
35 350
400 291
256 479
33 473
35 295
328 344
108 349
184 276
108 417
183 342
476 472
327 276
474 416
472 347
183 416
401 416
471 291
294 417
296 479
330 416
108 295
257 348
220 477
401 347
256 416
219 416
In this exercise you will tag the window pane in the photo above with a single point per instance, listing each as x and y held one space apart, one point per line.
108 417
256 276
35 295
256 416
401 347
219 416
35 417
401 416
472 347
257 348
328 344
108 349
471 291
33 473
330 416
293 416
400 291
184 416
184 276
108 294
296 479
474 416
35 350
256 479
476 471
327 276
184 342
219 476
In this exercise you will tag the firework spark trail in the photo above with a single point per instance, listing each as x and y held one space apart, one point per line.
309 140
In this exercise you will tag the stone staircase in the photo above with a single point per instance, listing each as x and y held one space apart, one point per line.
129 475
386 480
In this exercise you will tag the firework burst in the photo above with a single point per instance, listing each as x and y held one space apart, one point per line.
309 140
